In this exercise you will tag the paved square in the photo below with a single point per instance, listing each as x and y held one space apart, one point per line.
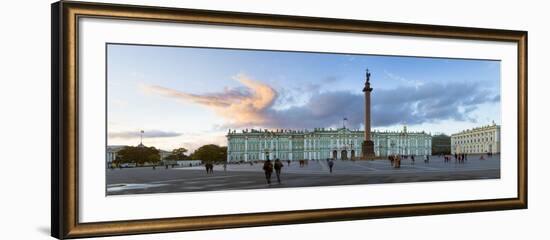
315 173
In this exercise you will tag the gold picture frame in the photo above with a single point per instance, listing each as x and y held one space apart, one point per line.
65 114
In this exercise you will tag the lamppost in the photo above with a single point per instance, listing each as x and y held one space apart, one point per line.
140 138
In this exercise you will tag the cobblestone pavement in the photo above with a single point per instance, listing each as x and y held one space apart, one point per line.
315 173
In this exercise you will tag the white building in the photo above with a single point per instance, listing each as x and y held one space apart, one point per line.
321 143
112 152
188 163
477 140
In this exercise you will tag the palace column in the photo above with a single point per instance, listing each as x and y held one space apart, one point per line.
290 148
367 146
246 149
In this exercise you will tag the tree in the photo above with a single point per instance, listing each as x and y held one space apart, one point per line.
178 154
138 155
210 153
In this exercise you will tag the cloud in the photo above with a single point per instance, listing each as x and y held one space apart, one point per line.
252 106
242 107
395 77
428 103
146 134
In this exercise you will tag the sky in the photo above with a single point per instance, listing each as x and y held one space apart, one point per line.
189 97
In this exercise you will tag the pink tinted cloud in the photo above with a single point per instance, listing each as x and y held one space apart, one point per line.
240 108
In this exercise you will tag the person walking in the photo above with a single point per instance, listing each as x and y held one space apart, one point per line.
278 165
225 166
268 170
398 162
330 165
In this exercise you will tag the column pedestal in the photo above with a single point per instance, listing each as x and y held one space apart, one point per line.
367 149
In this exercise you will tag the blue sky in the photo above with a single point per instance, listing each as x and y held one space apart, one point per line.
188 97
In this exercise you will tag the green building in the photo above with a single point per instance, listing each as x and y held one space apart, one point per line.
321 143
441 144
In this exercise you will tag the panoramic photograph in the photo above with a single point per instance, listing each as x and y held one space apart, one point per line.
188 119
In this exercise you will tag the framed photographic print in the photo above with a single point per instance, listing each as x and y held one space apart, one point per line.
168 119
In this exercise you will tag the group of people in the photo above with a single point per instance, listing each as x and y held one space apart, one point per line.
268 170
209 168
395 160
462 158
459 158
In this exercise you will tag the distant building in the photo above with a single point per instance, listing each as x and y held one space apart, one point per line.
188 163
441 144
164 154
321 143
477 140
112 152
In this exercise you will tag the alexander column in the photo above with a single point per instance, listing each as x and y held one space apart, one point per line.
367 147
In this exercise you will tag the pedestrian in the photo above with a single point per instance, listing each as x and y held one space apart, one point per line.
398 162
412 159
278 165
330 165
268 169
288 161
225 166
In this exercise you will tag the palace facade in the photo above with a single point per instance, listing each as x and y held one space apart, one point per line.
321 144
478 140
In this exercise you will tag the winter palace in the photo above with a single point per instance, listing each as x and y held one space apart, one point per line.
321 143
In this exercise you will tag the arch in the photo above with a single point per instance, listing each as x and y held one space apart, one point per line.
344 155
